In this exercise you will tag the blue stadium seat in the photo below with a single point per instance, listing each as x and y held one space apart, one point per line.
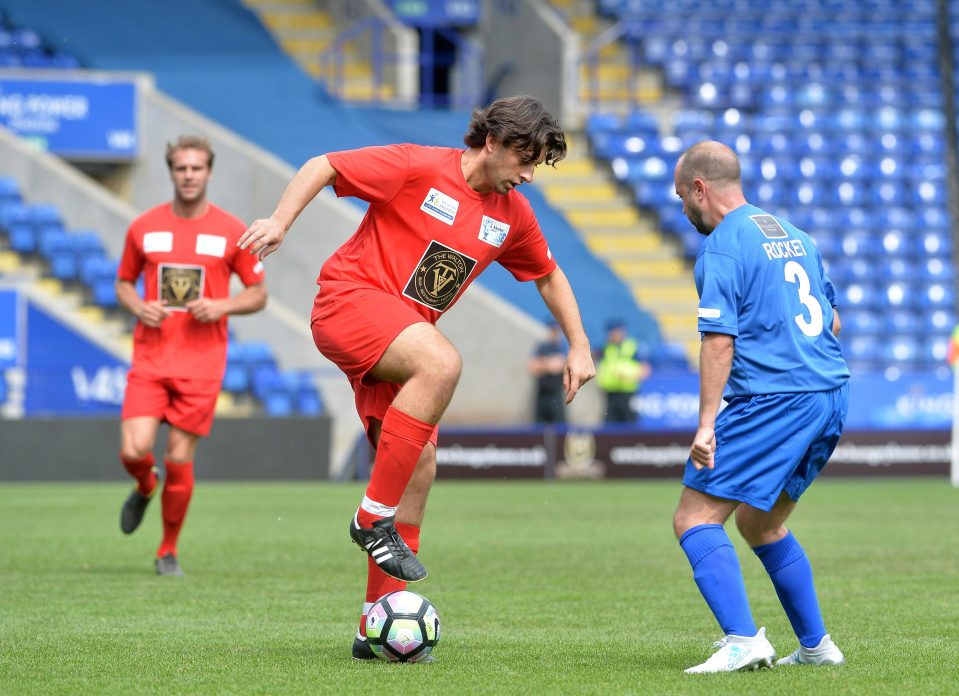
902 349
23 238
934 350
928 193
9 190
939 321
278 404
861 243
935 270
236 379
849 193
55 242
265 380
888 193
863 350
827 243
859 296
935 217
899 295
44 214
896 268
936 296
64 265
307 399
14 213
96 268
936 243
861 322
856 270
902 321
103 293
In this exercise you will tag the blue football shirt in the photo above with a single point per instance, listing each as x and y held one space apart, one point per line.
761 280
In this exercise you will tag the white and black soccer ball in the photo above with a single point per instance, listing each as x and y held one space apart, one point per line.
402 627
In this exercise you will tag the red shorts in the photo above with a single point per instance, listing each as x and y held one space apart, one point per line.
187 404
353 325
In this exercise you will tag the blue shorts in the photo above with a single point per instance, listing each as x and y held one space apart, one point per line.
772 443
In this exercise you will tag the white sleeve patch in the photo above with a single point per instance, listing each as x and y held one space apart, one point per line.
210 245
258 268
154 242
708 313
549 254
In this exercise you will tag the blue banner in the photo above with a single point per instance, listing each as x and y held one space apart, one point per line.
913 402
9 320
93 118
67 374
437 13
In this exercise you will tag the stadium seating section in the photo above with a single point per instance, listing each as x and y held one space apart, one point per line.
837 111
23 48
77 259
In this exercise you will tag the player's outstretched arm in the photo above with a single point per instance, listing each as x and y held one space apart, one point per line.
715 361
266 235
558 296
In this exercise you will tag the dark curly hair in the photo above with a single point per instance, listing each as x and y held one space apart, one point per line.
521 123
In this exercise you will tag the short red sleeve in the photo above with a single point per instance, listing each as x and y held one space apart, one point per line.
372 174
131 263
528 256
248 267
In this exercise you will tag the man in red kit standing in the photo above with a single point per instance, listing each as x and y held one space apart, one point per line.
437 218
186 251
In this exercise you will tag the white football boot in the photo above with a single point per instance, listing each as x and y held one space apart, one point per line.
826 653
738 652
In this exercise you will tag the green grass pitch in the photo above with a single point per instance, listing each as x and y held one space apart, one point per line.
543 588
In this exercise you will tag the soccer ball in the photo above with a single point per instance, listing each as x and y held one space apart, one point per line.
402 627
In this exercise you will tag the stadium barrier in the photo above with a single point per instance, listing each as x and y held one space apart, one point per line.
238 449
549 454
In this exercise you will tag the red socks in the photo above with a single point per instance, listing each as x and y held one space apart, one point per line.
379 583
142 470
402 439
176 497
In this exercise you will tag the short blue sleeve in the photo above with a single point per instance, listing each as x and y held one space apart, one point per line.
719 279
828 288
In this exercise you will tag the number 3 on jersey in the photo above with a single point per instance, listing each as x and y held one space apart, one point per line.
795 273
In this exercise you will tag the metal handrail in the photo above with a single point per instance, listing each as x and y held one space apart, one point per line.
597 44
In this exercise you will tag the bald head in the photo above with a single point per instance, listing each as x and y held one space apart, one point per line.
708 181
714 163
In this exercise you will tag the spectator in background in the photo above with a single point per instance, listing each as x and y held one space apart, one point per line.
186 252
437 218
546 364
619 373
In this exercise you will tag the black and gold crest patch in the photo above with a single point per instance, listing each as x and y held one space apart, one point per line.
179 284
439 276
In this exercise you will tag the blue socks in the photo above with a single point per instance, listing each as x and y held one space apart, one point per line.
719 578
789 569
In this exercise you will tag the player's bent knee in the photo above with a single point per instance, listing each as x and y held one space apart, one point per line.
680 524
134 448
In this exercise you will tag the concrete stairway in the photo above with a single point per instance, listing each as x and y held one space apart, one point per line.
613 227
306 33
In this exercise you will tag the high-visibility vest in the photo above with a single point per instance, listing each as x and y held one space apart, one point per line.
954 347
619 370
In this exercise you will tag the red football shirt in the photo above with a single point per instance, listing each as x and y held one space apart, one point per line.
181 260
427 235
